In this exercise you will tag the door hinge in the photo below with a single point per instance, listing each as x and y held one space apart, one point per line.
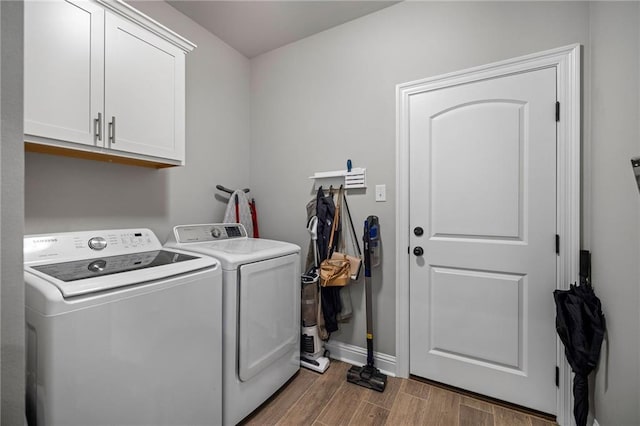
557 111
557 376
585 266
557 244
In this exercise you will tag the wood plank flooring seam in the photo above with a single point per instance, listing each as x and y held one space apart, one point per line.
329 400
284 414
381 406
328 405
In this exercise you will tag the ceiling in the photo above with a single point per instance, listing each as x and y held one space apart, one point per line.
255 27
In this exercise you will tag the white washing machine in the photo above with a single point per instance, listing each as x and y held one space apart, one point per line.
261 311
121 331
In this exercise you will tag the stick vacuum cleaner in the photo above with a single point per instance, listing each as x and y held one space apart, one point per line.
369 376
312 352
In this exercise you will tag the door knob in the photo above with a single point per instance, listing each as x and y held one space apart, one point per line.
418 231
418 251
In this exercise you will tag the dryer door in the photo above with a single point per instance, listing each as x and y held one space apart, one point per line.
269 313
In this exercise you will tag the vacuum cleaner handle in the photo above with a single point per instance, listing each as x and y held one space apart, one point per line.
371 244
370 223
312 227
365 246
369 376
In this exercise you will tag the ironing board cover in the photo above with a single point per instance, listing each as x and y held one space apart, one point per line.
244 211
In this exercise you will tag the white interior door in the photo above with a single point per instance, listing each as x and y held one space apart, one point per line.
483 190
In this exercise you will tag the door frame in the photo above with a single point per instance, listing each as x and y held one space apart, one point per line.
567 62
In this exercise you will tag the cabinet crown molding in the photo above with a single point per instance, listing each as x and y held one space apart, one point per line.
128 12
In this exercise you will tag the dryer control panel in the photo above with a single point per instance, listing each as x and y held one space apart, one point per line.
208 232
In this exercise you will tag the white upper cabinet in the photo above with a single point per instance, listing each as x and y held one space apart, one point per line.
103 81
144 78
63 70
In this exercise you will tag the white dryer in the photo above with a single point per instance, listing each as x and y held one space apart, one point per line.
261 311
121 331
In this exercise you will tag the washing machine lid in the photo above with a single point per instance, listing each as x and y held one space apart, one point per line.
80 277
79 263
228 243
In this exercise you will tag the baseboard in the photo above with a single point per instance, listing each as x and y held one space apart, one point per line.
358 356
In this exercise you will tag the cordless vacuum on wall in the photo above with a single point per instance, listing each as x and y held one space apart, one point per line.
312 349
369 376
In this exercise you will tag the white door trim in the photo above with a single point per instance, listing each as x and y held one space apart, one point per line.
567 62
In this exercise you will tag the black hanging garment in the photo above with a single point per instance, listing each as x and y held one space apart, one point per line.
325 211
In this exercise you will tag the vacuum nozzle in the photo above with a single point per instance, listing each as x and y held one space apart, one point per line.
368 377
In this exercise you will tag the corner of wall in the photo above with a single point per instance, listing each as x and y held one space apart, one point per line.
12 214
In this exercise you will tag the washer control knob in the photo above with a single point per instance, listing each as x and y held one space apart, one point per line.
216 233
97 243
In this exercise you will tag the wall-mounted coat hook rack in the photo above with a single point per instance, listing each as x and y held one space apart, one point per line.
356 178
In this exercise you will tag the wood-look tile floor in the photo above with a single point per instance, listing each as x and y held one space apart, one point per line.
328 399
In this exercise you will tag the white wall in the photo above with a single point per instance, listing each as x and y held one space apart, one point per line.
11 216
65 194
615 225
330 97
317 102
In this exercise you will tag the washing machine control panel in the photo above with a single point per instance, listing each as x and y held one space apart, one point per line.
208 232
87 244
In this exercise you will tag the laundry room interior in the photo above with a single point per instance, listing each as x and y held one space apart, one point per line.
269 120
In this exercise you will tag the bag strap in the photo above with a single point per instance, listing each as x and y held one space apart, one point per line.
333 230
334 225
354 239
342 247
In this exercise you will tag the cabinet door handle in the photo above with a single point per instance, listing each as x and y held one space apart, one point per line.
112 130
98 126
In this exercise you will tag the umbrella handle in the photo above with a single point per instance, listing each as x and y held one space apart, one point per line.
237 209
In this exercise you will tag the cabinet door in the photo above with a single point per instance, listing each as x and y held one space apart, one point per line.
144 91
63 70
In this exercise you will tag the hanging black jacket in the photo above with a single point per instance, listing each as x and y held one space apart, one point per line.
331 304
325 209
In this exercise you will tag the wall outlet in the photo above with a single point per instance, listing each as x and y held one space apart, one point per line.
381 192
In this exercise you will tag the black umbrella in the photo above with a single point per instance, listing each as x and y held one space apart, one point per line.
581 326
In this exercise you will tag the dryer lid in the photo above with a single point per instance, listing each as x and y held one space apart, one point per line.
230 250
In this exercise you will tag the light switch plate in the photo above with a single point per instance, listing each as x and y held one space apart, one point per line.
635 163
381 192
